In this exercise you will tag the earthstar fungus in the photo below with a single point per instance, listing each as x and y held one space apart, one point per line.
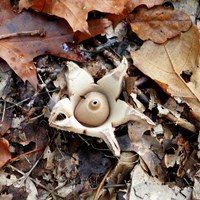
94 109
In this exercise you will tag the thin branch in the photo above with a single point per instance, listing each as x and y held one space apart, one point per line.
38 32
4 111
101 184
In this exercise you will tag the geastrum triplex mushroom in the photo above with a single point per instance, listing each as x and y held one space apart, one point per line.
94 109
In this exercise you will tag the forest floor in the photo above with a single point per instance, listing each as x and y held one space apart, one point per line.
161 43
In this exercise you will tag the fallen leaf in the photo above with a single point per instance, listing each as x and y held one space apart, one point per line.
18 192
76 11
130 6
19 51
196 190
170 159
158 23
31 189
6 79
148 148
7 179
50 158
96 27
36 134
168 63
6 197
94 162
16 121
149 3
146 187
29 146
5 152
123 167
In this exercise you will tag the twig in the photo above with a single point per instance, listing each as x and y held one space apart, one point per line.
100 48
84 140
4 110
167 113
34 118
114 186
38 32
173 116
18 104
101 184
44 86
27 153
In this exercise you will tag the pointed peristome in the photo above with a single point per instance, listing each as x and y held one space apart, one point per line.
112 82
78 80
109 138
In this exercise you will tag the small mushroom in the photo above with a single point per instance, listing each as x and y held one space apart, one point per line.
94 109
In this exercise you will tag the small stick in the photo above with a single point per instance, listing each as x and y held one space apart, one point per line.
101 47
44 85
4 110
101 184
17 104
168 114
38 32
26 153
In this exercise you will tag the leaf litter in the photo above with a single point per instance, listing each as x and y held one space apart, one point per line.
39 162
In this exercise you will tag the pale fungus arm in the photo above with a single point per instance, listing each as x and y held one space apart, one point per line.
128 113
112 82
78 80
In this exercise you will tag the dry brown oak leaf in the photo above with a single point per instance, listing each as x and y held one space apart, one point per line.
74 11
19 51
149 3
130 6
158 23
174 65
